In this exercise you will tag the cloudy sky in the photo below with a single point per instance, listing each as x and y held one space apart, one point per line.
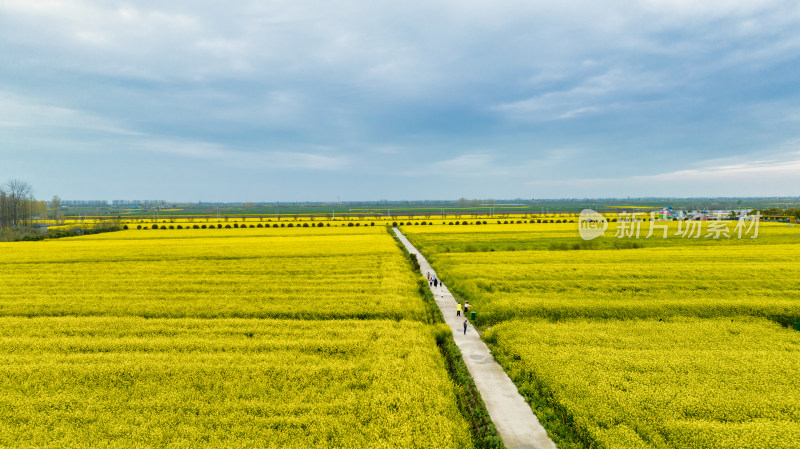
366 100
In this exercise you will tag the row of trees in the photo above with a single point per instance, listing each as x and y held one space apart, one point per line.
778 211
18 206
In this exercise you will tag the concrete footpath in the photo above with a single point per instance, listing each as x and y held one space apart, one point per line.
512 416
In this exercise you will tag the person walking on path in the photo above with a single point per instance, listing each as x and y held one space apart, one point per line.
465 327
458 309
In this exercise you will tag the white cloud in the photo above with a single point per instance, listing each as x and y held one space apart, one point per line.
387 149
255 159
467 89
749 175
708 9
20 112
593 95
466 162
495 165
464 165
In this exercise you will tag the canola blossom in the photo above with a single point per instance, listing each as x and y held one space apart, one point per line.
252 273
637 343
151 338
716 278
118 382
683 383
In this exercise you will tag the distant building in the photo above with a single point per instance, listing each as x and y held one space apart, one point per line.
84 203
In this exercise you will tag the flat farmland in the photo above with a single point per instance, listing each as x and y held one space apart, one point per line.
703 277
86 382
256 337
637 343
682 383
289 273
444 238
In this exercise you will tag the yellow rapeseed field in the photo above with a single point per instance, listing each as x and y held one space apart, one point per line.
169 338
292 273
675 276
637 343
88 382
685 383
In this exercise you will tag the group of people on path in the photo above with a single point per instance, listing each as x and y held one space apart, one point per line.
433 281
466 308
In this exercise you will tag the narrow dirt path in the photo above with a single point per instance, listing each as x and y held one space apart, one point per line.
512 416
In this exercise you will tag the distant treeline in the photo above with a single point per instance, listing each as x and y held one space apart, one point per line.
778 211
19 210
422 209
18 207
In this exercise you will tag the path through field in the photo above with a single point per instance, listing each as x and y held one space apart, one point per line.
512 416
